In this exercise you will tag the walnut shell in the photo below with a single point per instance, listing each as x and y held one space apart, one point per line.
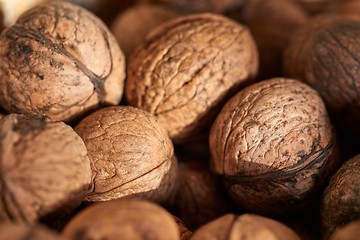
350 231
131 26
45 168
61 61
33 232
341 201
130 153
187 67
246 226
324 53
272 144
123 219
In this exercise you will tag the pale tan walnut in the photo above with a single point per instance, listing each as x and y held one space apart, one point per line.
61 61
187 67
44 168
131 26
126 219
350 231
130 153
28 232
246 226
272 143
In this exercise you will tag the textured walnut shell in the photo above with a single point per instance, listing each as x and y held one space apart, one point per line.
272 144
200 197
123 219
246 226
130 153
272 23
323 53
341 201
186 68
131 26
33 232
44 168
350 231
61 61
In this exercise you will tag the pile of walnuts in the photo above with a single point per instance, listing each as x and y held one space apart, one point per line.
181 120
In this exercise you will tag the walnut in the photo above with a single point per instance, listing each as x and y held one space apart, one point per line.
350 231
272 143
341 202
33 232
45 169
61 61
246 226
325 54
187 67
131 26
130 153
123 219
272 23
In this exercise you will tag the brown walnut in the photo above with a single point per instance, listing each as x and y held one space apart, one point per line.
325 53
187 67
272 144
130 153
341 201
350 231
44 168
246 226
61 61
32 232
125 219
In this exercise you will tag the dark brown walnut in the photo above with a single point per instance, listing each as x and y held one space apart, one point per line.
325 53
44 168
341 201
28 232
350 231
130 153
200 197
61 61
131 26
246 226
187 67
348 8
125 219
272 24
272 143
185 233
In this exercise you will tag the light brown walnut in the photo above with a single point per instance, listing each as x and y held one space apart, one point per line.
130 153
272 143
61 61
187 67
44 169
32 232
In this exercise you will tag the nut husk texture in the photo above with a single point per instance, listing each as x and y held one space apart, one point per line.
44 168
272 144
130 153
186 68
61 61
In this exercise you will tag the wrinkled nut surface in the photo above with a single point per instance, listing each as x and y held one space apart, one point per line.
272 144
341 202
28 232
130 153
323 53
44 168
246 226
350 231
187 67
61 61
131 26
125 219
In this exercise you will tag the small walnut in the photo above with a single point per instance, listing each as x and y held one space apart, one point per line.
44 168
33 232
130 153
131 26
125 219
272 143
187 67
350 231
246 226
325 53
341 201
61 61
